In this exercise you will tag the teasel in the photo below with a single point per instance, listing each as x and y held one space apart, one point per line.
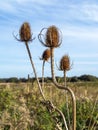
25 32
26 36
65 66
65 63
48 42
51 38
45 57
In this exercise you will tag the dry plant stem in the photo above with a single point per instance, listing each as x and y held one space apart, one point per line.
65 78
56 109
43 73
67 101
29 53
60 112
66 89
39 83
52 69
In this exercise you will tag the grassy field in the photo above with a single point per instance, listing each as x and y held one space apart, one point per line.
21 107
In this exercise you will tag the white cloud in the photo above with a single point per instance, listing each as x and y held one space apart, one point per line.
86 55
90 12
86 63
83 11
80 31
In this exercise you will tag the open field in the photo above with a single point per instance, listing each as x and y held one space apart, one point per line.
21 108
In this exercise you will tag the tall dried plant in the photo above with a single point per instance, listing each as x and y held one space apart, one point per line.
65 66
45 57
53 39
26 37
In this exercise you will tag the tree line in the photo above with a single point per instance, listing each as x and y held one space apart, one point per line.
48 79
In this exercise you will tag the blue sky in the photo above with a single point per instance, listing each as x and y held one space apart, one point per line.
78 21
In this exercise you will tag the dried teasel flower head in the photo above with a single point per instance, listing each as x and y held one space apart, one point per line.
46 55
65 63
25 32
52 37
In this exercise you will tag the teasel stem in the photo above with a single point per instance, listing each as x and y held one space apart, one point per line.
52 64
65 78
67 101
60 112
43 73
65 88
40 85
33 67
45 57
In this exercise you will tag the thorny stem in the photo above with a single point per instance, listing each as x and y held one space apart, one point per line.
43 73
67 100
65 78
52 107
66 89
60 112
33 67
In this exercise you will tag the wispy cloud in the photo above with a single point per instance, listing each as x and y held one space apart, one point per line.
85 33
84 12
70 12
87 63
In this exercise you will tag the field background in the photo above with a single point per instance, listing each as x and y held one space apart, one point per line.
21 107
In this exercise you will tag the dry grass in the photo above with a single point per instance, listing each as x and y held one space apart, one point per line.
25 97
81 89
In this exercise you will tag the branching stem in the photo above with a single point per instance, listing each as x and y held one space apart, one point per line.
65 88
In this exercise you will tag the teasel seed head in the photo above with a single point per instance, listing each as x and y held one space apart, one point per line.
25 32
51 38
65 63
46 55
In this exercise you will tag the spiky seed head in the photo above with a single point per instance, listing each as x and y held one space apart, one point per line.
25 32
46 55
65 63
52 36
